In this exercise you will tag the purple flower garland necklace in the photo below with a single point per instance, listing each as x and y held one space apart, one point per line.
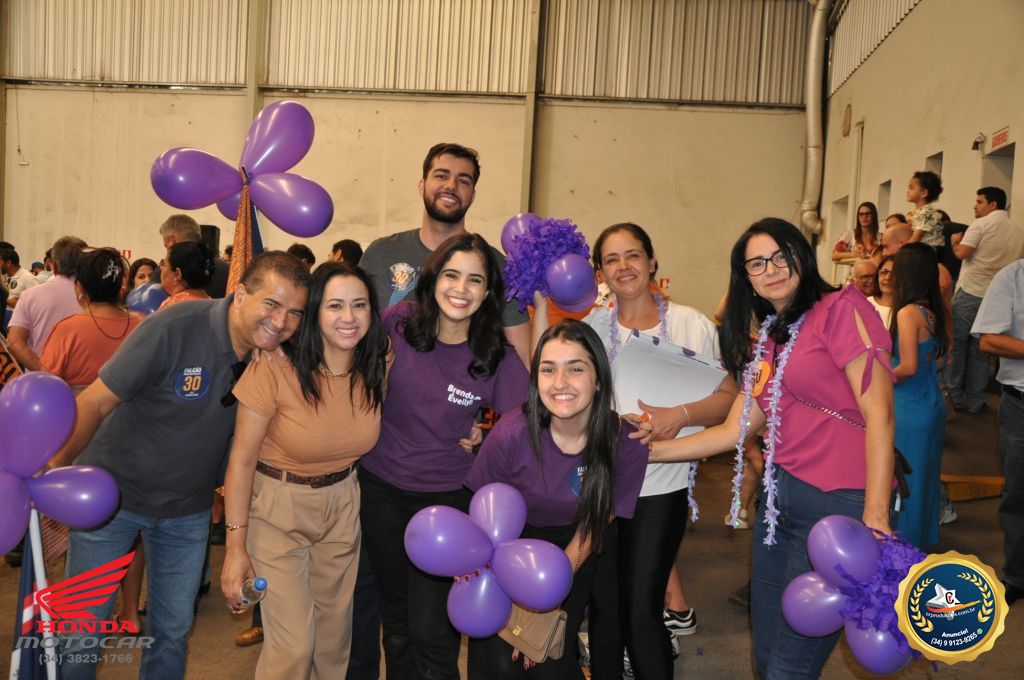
613 350
773 420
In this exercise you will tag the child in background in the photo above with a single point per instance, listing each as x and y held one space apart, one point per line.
923 190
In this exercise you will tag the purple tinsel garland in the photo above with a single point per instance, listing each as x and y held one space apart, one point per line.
872 603
543 243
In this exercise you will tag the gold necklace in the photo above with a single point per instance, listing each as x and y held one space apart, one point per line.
327 372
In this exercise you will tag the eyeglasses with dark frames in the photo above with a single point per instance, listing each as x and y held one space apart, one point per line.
229 398
756 266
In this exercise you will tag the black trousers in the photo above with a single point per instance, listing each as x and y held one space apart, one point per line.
648 545
419 641
364 660
491 658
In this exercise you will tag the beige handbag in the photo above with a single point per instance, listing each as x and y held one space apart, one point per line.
538 635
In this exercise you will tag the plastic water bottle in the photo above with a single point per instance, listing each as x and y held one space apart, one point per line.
253 591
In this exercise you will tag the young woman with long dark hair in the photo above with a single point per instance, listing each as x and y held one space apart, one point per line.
291 494
572 458
818 377
863 242
451 359
919 339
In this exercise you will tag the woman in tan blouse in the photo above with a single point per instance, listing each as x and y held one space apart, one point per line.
291 495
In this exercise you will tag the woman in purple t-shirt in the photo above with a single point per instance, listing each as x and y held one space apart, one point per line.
818 376
574 462
451 359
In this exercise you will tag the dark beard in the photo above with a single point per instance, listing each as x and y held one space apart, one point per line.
447 218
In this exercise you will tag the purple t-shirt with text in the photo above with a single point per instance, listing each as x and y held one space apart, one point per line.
552 492
430 405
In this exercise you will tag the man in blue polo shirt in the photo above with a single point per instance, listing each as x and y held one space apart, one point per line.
159 418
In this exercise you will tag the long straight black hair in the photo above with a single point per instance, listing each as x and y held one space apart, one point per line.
306 348
915 271
486 334
595 504
743 306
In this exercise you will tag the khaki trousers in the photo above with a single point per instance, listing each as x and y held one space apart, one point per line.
305 542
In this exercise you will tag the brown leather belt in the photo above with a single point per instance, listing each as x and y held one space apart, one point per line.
317 482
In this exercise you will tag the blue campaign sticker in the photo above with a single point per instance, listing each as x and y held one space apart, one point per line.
951 607
192 383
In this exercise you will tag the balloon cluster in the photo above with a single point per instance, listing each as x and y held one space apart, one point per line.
278 139
491 565
550 256
37 415
854 586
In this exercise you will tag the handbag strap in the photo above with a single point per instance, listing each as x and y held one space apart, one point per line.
830 412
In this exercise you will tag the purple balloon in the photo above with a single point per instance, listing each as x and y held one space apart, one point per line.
500 511
14 509
445 542
477 607
147 298
811 606
585 303
228 207
515 227
190 178
37 415
80 496
570 279
842 541
278 139
299 206
877 651
534 573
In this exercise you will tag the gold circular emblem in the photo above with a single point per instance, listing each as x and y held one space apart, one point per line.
951 607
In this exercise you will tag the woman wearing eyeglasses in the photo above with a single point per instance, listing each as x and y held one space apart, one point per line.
883 300
818 377
863 241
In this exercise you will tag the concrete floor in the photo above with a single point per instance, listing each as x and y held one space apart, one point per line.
714 561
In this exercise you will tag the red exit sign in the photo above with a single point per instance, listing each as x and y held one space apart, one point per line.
1000 137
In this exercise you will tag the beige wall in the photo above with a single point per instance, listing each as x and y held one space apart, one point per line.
694 177
948 71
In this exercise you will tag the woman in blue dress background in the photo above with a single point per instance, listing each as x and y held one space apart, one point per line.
919 336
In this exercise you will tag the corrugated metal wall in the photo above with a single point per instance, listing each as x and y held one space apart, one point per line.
858 28
400 45
128 41
744 51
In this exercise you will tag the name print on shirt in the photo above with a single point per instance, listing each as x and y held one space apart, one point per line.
576 479
461 397
191 383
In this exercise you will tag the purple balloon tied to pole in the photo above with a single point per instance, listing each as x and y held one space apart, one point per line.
297 205
477 606
570 279
500 511
228 207
516 227
534 573
278 139
845 542
443 541
37 415
14 511
190 178
811 606
877 651
80 496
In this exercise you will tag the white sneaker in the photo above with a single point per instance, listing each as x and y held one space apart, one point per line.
948 514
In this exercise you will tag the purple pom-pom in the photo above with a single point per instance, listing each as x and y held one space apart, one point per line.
540 245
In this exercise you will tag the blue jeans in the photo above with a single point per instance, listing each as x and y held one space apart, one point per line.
175 548
779 651
1011 510
968 375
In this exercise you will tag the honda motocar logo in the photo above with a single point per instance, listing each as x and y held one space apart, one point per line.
66 601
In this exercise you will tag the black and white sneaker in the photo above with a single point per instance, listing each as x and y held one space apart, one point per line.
680 623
